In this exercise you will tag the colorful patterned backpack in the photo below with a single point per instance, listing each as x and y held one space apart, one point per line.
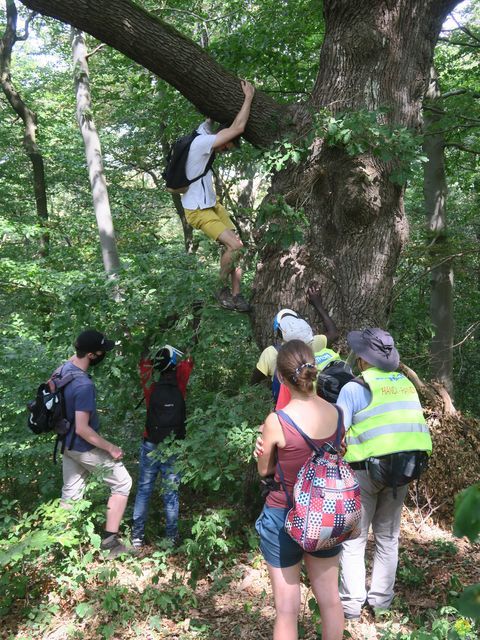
326 496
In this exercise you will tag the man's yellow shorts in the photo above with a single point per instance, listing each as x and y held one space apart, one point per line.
212 221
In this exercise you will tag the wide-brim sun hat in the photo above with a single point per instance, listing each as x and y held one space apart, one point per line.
375 346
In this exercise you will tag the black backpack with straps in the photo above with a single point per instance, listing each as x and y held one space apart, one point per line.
47 412
331 380
175 175
166 412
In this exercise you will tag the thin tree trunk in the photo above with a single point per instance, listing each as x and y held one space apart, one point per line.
29 120
191 244
93 154
441 278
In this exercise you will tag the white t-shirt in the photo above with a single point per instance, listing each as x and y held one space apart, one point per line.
201 193
353 397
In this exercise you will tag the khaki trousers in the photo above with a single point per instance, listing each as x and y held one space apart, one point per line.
383 512
78 465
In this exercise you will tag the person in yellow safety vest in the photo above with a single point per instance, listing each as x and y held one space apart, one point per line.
387 442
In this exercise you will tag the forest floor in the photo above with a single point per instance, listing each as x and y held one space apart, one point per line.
141 599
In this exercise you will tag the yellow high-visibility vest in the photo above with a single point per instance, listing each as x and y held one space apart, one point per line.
392 422
325 357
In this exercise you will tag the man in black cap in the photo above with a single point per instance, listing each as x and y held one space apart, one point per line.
387 443
85 450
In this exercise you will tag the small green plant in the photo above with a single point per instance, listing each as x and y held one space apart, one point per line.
171 599
410 574
315 615
445 624
212 540
441 547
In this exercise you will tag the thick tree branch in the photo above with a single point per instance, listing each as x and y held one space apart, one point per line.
174 58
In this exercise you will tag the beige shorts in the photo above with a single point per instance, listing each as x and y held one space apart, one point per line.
78 465
212 221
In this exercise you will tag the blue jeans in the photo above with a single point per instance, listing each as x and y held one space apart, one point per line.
149 470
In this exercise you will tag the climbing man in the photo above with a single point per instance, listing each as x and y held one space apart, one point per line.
204 211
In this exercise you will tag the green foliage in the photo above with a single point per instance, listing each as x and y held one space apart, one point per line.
363 131
445 624
280 224
410 574
171 601
49 532
213 538
467 513
220 442
467 523
441 548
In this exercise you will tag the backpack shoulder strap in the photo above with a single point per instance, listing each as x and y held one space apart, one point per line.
293 424
338 434
59 381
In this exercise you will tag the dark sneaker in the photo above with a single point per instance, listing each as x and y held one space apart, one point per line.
115 546
138 543
241 304
224 297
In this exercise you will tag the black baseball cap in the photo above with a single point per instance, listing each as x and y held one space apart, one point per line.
92 340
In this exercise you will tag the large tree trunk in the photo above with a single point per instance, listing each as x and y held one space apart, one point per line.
28 118
440 252
376 54
93 153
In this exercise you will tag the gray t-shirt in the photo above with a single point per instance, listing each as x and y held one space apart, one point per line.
80 396
353 397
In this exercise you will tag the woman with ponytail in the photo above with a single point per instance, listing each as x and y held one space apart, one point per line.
280 442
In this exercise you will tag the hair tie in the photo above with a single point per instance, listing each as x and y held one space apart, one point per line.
309 365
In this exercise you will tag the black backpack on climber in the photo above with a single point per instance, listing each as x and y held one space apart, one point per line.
175 176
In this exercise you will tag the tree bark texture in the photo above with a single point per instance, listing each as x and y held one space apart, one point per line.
29 120
93 153
376 54
441 275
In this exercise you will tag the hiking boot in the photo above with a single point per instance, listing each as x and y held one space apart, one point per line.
224 297
241 305
115 546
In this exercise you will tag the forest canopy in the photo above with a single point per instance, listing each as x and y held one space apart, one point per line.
358 170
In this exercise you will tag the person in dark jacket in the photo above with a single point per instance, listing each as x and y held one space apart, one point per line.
165 400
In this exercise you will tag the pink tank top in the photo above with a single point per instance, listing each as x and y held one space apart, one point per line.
291 458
